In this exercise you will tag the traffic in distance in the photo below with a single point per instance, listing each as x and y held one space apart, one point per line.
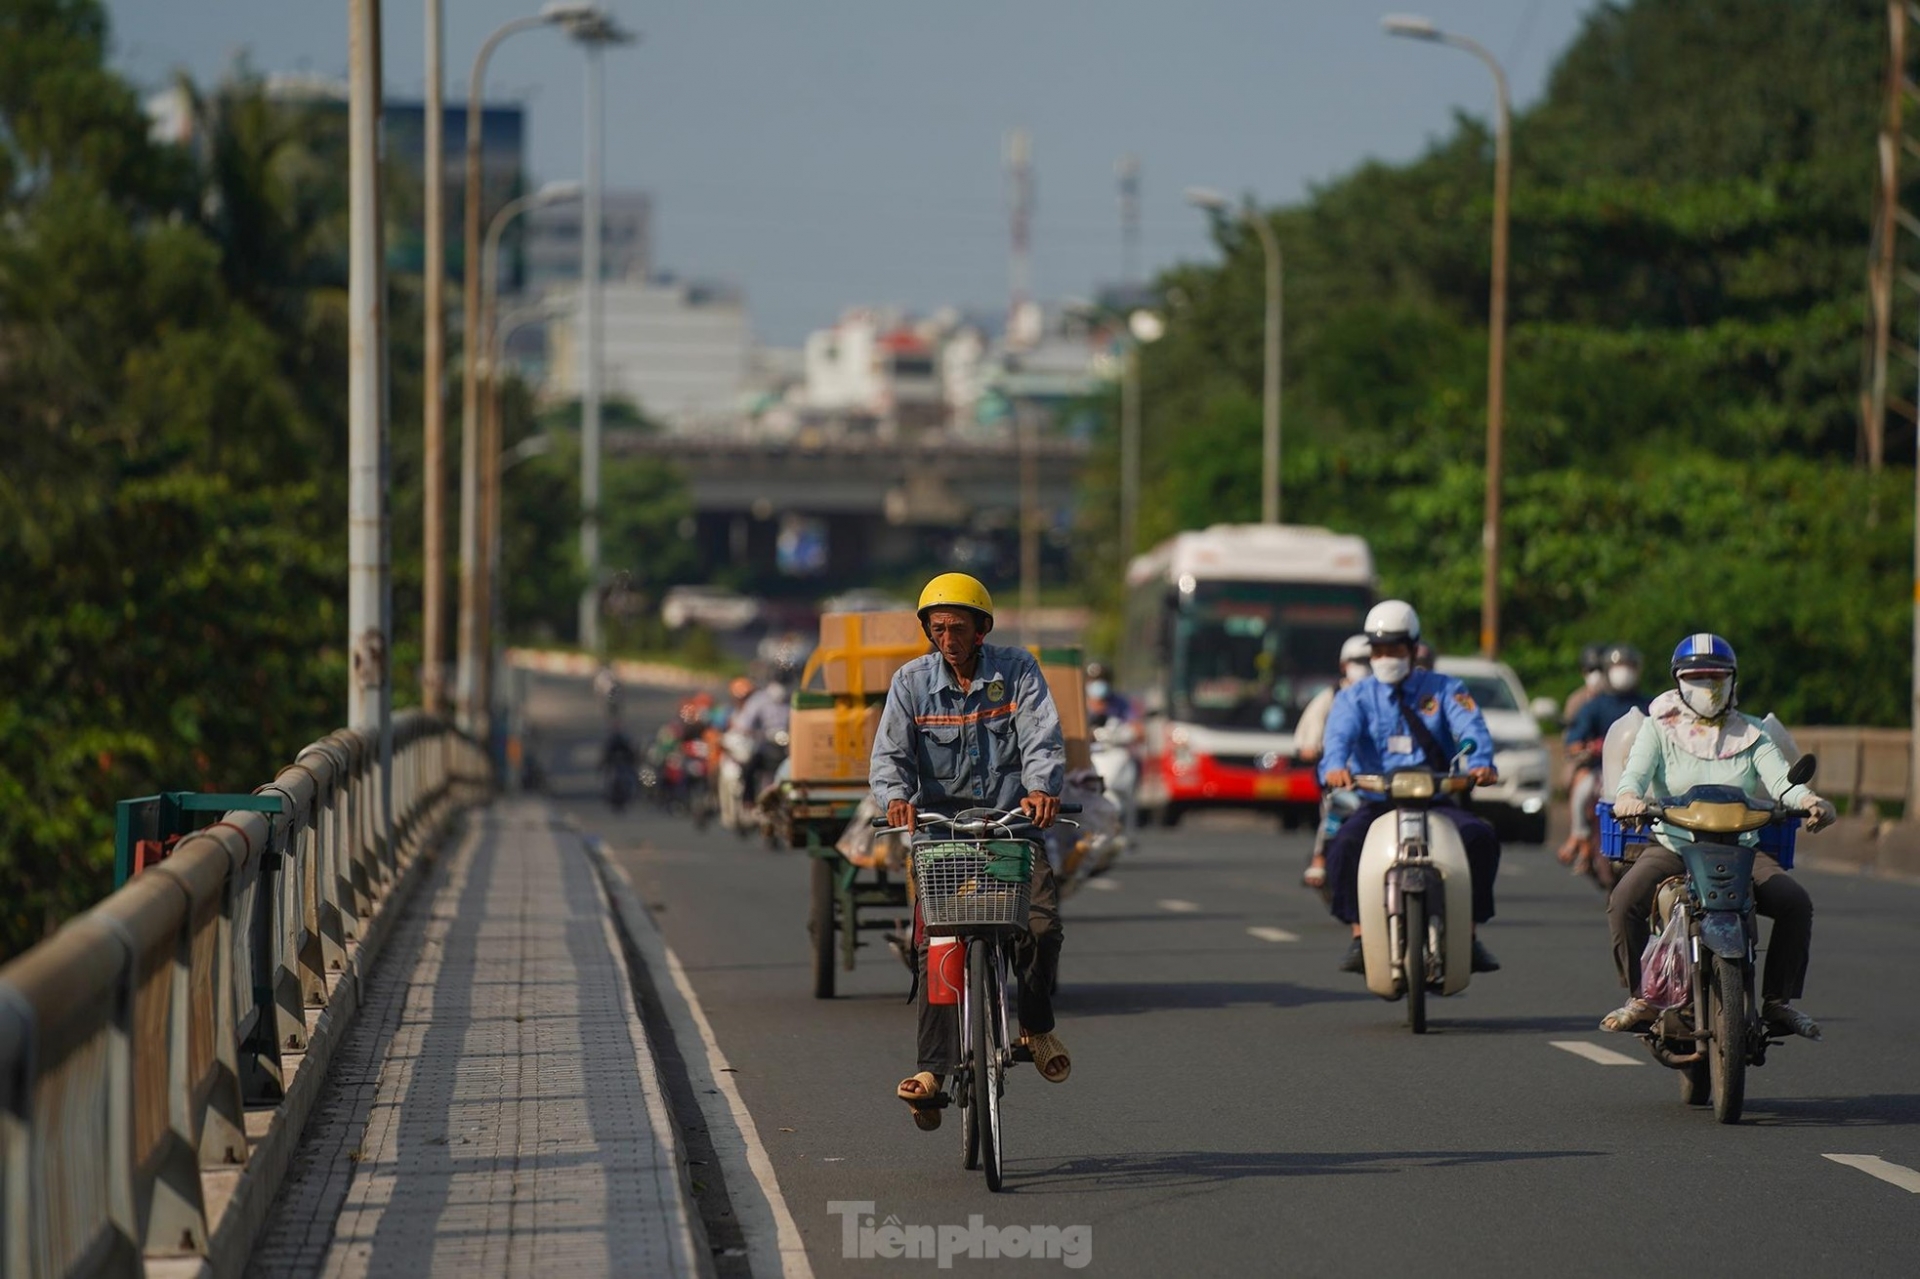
954 789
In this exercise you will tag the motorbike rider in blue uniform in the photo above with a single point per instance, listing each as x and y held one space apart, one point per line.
1402 716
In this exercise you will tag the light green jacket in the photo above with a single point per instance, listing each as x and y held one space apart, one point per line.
1659 766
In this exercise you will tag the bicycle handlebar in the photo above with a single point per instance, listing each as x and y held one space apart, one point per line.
974 824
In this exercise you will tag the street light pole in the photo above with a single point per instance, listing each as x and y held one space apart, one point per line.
1213 201
595 29
433 592
1421 29
1143 328
552 193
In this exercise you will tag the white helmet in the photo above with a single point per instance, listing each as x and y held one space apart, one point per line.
1358 648
1392 622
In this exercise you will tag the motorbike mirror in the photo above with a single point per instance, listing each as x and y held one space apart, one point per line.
1802 771
1465 750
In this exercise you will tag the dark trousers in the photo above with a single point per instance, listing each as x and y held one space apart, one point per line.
1037 955
1776 894
1343 857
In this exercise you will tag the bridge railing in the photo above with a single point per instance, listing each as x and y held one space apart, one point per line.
134 1039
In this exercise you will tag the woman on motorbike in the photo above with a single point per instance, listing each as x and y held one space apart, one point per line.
1693 736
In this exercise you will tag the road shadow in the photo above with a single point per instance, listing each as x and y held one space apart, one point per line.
1875 1110
1120 999
1514 1025
1206 1167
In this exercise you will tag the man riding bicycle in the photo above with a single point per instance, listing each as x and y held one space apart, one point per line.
972 726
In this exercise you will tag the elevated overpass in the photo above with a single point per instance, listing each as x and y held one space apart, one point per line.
880 503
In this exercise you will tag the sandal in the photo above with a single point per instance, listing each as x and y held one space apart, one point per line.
922 1093
1628 1016
1049 1056
1315 875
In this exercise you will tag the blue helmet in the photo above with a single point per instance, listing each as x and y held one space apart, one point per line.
1704 652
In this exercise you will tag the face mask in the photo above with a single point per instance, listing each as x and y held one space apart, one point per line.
1356 671
1596 680
1622 678
1707 697
1390 670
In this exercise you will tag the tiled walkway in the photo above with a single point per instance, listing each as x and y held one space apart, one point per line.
495 1107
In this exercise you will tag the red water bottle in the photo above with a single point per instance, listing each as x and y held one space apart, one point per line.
946 960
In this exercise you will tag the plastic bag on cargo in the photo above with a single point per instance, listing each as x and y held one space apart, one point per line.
1666 966
866 847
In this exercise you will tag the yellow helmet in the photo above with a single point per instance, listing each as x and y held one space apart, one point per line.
955 590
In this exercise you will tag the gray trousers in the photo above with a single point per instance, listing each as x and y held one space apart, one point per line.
1776 894
1038 959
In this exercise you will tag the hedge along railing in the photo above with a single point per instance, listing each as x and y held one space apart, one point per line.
133 1040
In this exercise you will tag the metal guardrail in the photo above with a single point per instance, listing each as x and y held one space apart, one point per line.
133 1040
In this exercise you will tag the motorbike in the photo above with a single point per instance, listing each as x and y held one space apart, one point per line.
1716 1031
1081 851
745 756
1416 892
1114 759
697 770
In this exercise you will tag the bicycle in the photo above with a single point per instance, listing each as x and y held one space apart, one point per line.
976 884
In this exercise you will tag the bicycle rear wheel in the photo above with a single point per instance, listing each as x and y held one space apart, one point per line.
987 1066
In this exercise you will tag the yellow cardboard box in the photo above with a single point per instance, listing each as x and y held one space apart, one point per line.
859 652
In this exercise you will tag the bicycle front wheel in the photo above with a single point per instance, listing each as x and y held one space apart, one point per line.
988 1067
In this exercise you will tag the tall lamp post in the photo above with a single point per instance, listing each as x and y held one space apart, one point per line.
594 28
488 337
471 548
433 425
1145 328
1214 202
1416 28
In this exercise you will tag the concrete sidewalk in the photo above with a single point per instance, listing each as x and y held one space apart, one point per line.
496 1106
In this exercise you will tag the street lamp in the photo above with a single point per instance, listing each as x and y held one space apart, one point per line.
471 616
1214 202
1417 28
489 340
594 28
1145 327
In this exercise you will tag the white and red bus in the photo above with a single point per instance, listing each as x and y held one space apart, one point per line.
1229 633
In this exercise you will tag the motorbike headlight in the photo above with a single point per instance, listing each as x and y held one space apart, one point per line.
1411 786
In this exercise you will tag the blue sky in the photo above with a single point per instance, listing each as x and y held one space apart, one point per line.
833 152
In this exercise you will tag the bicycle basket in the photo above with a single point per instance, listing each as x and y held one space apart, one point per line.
967 886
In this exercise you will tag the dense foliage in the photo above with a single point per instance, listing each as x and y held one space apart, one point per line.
173 494
1690 218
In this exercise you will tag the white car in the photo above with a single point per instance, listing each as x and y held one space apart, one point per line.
715 607
1517 803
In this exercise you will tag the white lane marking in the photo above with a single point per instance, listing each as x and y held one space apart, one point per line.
1272 934
1874 1166
739 1151
1595 1053
1104 885
1177 906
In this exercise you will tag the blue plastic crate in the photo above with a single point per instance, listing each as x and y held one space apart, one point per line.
1615 839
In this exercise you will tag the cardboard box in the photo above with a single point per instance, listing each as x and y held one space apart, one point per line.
859 652
830 738
1067 682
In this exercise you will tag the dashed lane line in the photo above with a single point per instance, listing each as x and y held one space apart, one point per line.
1104 885
1874 1166
1595 1053
1272 934
1177 906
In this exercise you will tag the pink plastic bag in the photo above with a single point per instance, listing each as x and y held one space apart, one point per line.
1666 966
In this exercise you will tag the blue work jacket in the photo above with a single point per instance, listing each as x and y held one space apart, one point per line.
1366 734
988 747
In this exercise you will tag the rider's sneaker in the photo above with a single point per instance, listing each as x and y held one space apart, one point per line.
1785 1019
1356 960
1483 960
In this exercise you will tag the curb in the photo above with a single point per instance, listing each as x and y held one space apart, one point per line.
773 1242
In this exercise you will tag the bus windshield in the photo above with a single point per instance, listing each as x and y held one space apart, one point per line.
1252 654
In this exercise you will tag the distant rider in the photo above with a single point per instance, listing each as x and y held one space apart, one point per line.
765 714
1310 734
972 725
1403 717
1693 736
1585 734
1104 706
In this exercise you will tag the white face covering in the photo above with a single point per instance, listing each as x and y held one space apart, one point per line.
1622 678
1596 680
1707 696
1391 670
1356 671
